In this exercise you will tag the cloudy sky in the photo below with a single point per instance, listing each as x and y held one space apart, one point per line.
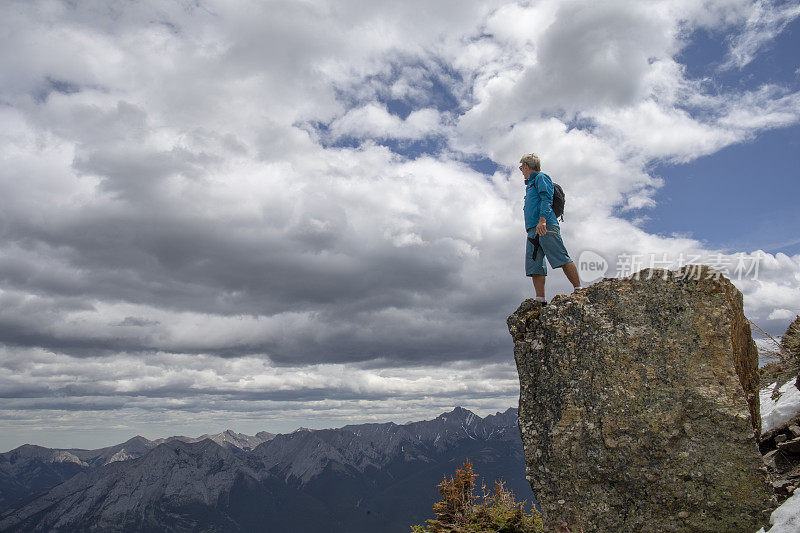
273 214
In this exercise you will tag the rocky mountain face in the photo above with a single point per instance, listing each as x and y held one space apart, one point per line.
226 438
172 476
369 477
639 406
790 341
30 469
304 454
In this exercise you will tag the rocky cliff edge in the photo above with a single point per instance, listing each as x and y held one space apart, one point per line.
639 405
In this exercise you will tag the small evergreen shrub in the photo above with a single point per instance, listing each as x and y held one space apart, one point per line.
459 511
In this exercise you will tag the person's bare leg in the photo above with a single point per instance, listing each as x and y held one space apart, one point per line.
538 284
572 274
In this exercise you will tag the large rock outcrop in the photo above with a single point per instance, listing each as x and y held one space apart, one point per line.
790 341
639 406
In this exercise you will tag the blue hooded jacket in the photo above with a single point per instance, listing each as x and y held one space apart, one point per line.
539 200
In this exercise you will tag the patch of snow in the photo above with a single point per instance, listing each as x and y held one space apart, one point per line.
776 413
121 455
786 518
60 456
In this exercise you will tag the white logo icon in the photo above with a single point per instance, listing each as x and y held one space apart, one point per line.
591 266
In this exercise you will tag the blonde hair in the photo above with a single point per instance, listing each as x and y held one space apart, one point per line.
532 160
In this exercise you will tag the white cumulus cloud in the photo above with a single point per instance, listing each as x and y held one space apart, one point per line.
264 212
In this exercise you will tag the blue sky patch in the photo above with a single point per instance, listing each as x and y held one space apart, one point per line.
743 197
429 85
777 62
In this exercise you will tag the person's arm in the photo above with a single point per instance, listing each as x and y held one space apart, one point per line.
529 212
544 187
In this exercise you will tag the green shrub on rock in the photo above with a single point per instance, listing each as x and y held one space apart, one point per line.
458 512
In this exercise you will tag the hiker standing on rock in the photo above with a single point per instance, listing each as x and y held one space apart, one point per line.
544 233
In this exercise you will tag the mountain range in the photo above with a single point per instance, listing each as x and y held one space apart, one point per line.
358 478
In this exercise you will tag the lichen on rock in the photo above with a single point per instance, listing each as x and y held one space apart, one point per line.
639 405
